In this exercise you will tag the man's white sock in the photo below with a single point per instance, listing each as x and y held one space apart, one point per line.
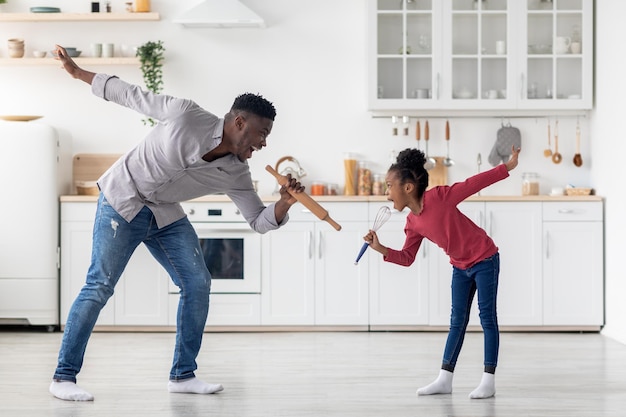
69 391
441 385
193 386
487 387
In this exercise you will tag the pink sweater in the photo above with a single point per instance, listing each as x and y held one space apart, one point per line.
442 223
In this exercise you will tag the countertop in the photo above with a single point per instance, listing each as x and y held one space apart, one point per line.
362 199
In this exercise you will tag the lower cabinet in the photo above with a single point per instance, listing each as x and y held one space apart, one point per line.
551 272
309 276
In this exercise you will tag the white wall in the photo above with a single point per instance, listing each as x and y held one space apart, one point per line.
609 147
311 62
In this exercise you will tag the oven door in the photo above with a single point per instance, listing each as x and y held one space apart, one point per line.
232 252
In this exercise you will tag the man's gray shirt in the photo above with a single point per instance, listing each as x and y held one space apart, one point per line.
167 168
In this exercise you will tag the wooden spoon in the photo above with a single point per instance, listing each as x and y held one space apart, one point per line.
578 160
548 152
418 134
556 157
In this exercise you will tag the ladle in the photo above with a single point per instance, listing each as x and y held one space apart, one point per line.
430 162
548 152
578 160
556 156
447 161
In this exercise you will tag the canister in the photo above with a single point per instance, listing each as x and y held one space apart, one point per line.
364 179
530 183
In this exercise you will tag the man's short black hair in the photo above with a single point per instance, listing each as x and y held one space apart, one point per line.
256 104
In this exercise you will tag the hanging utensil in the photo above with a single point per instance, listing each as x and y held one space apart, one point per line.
405 122
394 121
430 162
447 161
556 156
578 160
418 134
548 152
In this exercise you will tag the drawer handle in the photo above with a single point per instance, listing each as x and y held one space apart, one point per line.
566 211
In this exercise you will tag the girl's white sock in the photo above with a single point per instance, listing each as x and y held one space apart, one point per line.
193 386
69 391
441 385
487 387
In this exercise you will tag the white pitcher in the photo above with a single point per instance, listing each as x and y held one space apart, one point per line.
561 44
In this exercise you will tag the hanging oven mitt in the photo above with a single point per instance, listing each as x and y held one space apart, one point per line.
508 136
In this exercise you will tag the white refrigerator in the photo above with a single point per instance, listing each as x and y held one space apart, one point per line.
35 169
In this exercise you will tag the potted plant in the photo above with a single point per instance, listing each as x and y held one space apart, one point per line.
150 56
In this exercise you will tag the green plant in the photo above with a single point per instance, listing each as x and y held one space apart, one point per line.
150 56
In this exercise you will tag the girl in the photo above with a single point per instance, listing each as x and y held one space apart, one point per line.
474 256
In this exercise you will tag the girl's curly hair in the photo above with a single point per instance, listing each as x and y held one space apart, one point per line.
409 167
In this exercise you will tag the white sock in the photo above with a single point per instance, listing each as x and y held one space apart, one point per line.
487 387
193 386
441 385
69 391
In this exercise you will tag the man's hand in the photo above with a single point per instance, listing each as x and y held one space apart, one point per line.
60 54
286 199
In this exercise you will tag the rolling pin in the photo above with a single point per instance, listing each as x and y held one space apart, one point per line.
305 199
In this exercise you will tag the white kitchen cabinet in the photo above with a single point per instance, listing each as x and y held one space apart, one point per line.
516 229
141 294
573 262
479 55
398 295
308 279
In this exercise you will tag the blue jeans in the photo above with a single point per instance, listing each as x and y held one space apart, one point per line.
176 248
482 277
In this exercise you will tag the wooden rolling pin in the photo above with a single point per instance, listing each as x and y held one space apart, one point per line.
305 199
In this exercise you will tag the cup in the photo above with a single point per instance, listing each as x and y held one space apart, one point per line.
500 47
96 50
492 94
16 48
575 47
421 93
562 44
108 50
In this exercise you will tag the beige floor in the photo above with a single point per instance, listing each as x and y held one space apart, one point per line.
319 374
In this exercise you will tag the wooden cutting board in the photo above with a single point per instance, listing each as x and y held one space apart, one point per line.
90 166
439 174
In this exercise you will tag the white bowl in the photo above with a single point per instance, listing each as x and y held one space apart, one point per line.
39 54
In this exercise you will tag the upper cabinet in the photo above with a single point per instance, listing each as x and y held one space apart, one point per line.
480 55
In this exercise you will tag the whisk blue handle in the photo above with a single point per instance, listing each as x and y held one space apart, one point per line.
361 252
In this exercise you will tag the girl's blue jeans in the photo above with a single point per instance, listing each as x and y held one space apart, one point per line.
176 248
465 282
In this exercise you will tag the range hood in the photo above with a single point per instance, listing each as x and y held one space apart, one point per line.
220 14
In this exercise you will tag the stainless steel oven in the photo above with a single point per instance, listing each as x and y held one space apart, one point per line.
232 250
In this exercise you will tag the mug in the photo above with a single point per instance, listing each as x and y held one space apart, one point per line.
492 94
108 50
561 44
96 50
421 93
500 47
575 47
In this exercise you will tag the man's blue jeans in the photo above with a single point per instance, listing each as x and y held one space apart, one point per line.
482 277
176 248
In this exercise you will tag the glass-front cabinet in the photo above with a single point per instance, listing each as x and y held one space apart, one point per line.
480 54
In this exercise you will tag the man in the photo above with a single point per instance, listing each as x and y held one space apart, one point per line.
190 153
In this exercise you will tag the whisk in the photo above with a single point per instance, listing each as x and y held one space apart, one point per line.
384 213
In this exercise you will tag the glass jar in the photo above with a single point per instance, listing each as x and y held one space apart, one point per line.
318 188
332 188
530 183
378 185
349 165
364 179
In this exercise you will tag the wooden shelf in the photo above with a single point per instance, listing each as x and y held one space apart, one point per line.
77 17
80 61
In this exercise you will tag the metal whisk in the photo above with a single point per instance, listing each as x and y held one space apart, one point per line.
384 213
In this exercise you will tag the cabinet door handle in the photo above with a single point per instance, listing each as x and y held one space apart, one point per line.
491 223
319 245
310 245
437 86
547 245
522 87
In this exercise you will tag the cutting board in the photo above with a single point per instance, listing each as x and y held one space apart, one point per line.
90 166
439 174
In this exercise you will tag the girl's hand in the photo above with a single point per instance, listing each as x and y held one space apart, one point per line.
512 162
